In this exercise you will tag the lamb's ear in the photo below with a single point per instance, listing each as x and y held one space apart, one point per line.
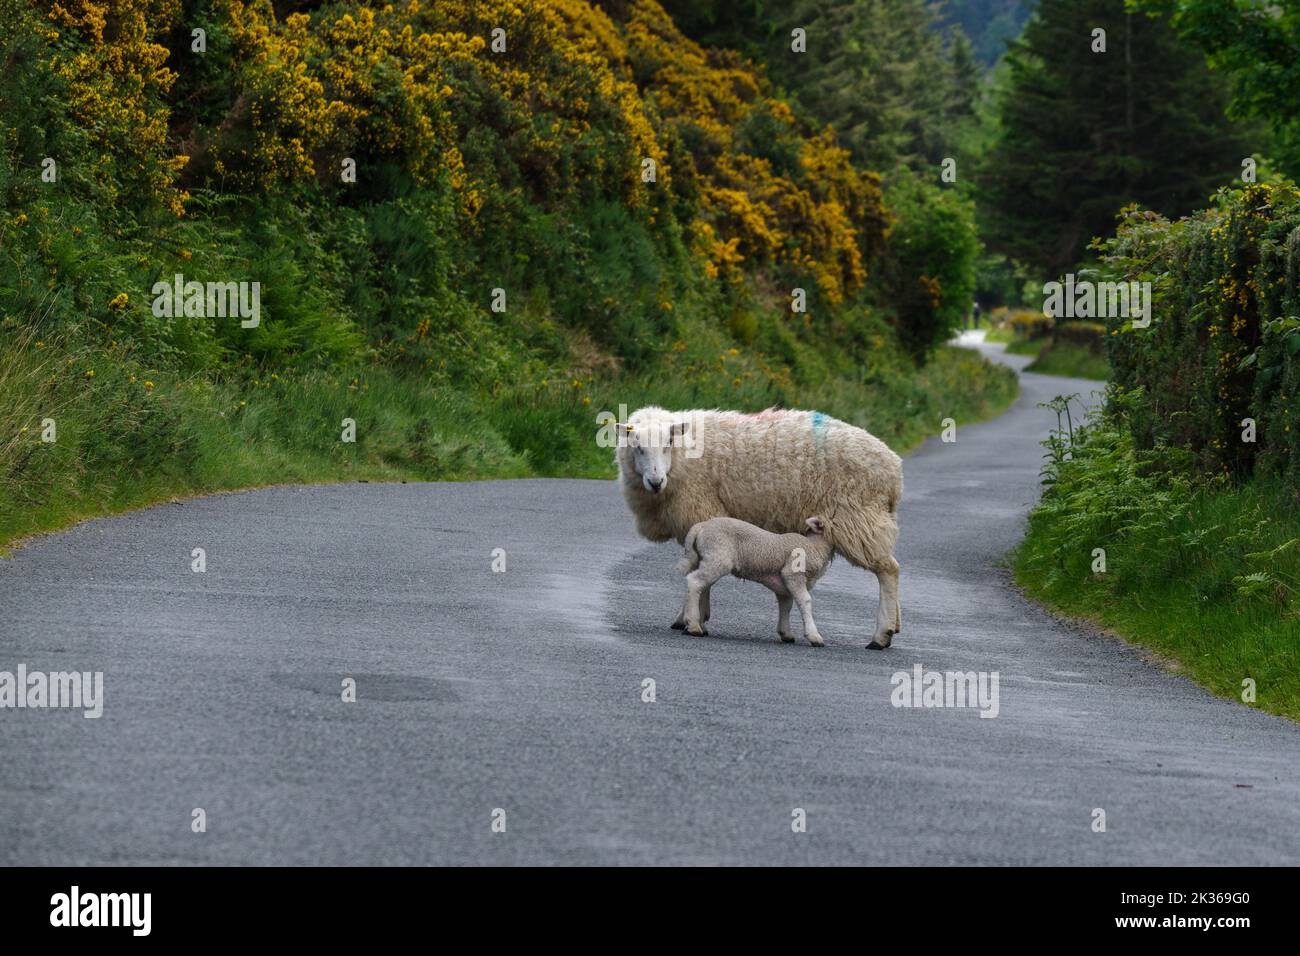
816 525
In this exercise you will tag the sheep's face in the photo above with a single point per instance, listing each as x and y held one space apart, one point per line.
651 448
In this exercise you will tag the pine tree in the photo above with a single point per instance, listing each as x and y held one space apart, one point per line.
965 74
1083 133
876 70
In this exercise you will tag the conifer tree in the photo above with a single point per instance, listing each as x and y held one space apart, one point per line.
1091 121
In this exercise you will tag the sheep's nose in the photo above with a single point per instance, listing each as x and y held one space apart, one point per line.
655 483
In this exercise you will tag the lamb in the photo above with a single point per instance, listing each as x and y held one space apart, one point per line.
772 469
787 564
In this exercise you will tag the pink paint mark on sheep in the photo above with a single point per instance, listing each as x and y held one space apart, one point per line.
766 415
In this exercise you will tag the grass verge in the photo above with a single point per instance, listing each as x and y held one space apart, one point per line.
1204 572
125 435
1068 359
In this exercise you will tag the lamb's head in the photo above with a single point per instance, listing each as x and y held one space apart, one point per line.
647 448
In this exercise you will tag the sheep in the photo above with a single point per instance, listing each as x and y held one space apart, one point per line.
786 564
772 469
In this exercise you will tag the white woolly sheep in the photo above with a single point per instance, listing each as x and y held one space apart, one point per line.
786 564
772 469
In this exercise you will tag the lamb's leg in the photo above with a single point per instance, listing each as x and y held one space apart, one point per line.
705 610
680 623
783 603
889 618
797 586
698 583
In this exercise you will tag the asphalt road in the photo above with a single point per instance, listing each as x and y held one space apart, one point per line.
523 691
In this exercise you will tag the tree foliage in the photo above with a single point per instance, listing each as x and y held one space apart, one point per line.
1083 133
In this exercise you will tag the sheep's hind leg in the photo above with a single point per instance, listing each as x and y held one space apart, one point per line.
889 618
783 603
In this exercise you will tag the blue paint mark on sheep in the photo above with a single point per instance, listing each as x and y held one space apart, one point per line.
819 431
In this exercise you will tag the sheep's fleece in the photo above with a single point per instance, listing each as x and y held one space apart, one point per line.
772 469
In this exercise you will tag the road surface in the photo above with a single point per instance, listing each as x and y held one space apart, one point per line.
522 692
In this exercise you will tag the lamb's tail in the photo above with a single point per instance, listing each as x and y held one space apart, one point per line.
690 556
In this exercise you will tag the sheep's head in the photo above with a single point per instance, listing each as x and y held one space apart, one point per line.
649 448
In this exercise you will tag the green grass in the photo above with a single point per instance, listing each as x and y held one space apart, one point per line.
130 435
1066 358
1204 573
1026 346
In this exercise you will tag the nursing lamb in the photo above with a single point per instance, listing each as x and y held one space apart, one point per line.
786 564
772 469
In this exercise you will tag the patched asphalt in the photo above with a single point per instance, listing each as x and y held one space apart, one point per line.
522 691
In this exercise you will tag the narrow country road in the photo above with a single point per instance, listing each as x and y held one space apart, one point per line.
522 691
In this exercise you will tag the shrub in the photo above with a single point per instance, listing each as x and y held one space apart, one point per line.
1028 326
928 266
1086 335
1225 334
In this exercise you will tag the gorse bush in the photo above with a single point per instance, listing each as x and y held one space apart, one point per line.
472 224
544 147
1223 347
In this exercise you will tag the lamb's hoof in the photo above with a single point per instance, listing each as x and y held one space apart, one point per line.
881 641
698 632
678 625
816 642
786 638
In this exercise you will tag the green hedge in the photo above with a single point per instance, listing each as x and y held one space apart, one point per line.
1086 335
1224 342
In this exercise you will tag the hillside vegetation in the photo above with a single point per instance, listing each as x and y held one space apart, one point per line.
1147 142
472 226
1190 480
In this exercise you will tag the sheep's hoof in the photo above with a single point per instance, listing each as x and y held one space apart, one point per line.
698 632
786 638
881 641
678 625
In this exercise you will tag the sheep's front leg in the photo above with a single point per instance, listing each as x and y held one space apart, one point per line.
783 603
705 609
798 587
698 583
889 618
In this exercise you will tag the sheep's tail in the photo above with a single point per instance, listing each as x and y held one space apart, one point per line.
866 537
690 556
